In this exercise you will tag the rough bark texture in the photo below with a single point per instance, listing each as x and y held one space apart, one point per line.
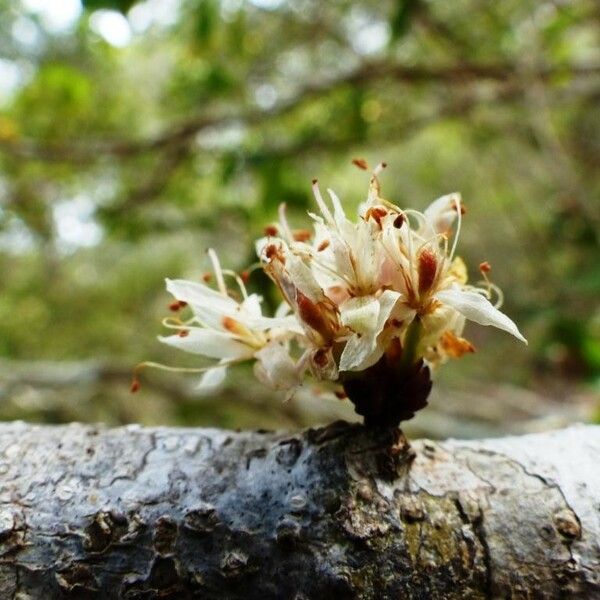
199 513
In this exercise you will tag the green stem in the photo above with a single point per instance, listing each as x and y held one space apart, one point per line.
411 342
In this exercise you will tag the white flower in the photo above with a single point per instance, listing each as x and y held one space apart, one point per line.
223 328
379 293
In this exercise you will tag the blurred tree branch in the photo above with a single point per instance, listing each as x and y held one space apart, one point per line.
90 151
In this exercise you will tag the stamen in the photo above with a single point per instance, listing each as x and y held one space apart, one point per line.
455 346
175 306
239 280
207 277
484 269
399 221
135 385
323 245
457 200
284 223
321 203
270 231
218 272
377 213
271 250
245 276
184 333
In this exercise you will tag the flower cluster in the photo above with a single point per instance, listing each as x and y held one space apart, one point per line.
381 298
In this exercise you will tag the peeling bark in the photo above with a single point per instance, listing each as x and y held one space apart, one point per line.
88 512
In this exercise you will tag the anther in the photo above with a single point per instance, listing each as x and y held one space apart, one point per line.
361 163
270 230
177 305
323 245
399 221
302 235
427 269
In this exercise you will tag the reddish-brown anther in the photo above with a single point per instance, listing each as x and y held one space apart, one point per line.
463 208
245 276
230 324
183 333
175 306
270 251
361 163
135 385
315 316
320 357
399 221
455 346
270 230
302 235
427 265
207 277
323 245
376 213
485 267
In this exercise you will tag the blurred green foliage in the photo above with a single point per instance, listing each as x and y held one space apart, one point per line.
134 135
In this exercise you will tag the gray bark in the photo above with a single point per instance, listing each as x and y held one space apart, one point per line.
90 512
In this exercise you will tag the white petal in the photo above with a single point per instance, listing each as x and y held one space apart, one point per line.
275 368
212 379
356 351
303 278
338 212
282 310
360 314
363 351
251 305
477 308
198 296
441 213
207 342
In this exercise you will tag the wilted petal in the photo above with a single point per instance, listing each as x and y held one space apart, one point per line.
214 344
477 308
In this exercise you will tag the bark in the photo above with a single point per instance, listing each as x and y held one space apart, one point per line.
90 512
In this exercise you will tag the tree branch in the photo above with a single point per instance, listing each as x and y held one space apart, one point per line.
90 151
338 512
